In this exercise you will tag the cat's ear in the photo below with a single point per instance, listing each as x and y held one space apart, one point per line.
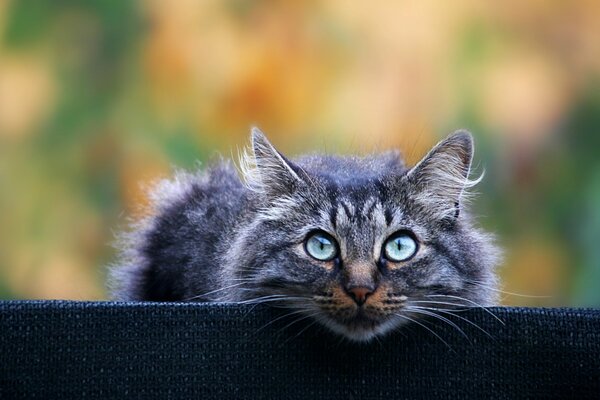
438 182
266 170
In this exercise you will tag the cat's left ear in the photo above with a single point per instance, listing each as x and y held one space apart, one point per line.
268 171
438 182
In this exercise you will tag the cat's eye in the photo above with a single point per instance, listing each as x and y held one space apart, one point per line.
400 247
321 246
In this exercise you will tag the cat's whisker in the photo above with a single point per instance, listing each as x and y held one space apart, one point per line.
272 299
226 297
270 296
469 301
457 307
418 310
489 287
475 290
296 321
269 299
426 327
258 301
459 317
215 291
301 331
279 318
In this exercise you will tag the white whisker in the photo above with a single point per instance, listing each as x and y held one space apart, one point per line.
430 330
301 331
460 317
215 291
279 318
483 285
297 320
469 301
437 316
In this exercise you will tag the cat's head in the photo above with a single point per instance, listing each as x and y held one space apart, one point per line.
364 245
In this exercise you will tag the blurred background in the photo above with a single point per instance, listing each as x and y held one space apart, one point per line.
98 99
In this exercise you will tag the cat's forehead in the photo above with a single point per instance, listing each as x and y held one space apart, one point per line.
351 211
364 198
359 194
369 214
348 169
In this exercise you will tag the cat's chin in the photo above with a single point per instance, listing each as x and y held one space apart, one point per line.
361 330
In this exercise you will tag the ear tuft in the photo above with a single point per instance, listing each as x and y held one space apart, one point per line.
265 170
440 179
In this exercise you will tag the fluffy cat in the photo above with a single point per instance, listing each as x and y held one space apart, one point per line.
362 244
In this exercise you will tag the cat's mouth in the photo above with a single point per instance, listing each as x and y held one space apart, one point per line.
361 326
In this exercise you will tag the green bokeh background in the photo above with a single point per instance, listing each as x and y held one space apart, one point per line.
100 99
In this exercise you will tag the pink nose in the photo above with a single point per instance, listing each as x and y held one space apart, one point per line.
360 294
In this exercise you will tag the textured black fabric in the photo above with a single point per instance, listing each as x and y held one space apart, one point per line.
59 350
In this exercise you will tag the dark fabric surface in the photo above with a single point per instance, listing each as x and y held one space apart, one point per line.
59 350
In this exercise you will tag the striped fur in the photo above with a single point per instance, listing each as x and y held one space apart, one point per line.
216 236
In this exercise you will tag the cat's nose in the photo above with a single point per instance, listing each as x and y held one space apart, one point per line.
360 294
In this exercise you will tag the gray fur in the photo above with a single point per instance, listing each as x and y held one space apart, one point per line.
216 237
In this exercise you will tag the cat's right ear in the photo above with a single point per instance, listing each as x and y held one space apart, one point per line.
266 170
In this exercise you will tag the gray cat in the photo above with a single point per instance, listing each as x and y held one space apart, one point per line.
361 244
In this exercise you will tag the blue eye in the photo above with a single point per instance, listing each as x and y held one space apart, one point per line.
321 246
400 247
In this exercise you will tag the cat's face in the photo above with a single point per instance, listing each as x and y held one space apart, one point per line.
365 252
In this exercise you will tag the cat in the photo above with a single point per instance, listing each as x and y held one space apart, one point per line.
361 244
